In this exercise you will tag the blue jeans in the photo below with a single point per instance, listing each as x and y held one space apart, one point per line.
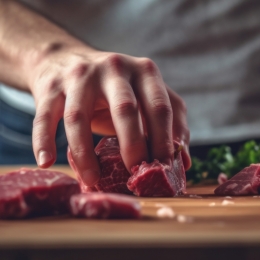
16 137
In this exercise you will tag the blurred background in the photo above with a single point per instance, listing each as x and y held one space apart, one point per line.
208 51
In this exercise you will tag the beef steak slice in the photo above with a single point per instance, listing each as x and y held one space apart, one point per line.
28 192
104 206
114 173
157 179
246 182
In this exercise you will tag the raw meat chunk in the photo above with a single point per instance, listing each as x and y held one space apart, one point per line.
114 173
157 179
149 179
246 182
104 206
28 192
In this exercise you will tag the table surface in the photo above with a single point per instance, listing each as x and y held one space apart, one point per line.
201 220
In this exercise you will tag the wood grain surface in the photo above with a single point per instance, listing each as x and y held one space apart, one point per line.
201 220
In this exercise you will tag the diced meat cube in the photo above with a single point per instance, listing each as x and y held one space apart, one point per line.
158 180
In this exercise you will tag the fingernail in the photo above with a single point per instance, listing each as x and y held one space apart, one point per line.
90 177
44 158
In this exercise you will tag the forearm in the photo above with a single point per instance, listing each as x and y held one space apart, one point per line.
25 38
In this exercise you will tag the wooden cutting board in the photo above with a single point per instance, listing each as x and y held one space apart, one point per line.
201 220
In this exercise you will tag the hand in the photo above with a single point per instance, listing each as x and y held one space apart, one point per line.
109 94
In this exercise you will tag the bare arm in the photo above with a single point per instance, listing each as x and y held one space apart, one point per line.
94 91
25 39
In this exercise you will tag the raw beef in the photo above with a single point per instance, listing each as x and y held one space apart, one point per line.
104 206
28 192
246 182
149 179
222 178
114 175
157 179
114 172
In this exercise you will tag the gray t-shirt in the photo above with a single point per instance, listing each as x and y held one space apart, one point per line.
208 51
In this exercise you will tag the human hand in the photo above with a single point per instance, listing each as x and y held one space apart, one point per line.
109 94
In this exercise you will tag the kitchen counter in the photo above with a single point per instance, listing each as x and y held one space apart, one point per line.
204 227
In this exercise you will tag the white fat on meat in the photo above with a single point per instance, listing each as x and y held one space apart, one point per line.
232 186
50 182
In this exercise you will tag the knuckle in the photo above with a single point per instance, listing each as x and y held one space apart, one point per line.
161 108
73 116
165 147
125 108
148 65
114 61
41 118
80 152
80 69
53 85
46 87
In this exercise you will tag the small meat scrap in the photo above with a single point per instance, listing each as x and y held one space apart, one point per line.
104 206
165 212
246 182
27 192
157 179
227 202
222 178
195 196
184 219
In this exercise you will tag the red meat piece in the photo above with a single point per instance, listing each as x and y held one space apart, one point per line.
246 182
114 173
149 179
104 206
28 192
157 179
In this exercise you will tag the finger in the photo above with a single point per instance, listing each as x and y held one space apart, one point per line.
70 160
77 118
157 111
126 120
180 128
49 109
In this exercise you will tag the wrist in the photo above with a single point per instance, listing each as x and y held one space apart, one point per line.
50 53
